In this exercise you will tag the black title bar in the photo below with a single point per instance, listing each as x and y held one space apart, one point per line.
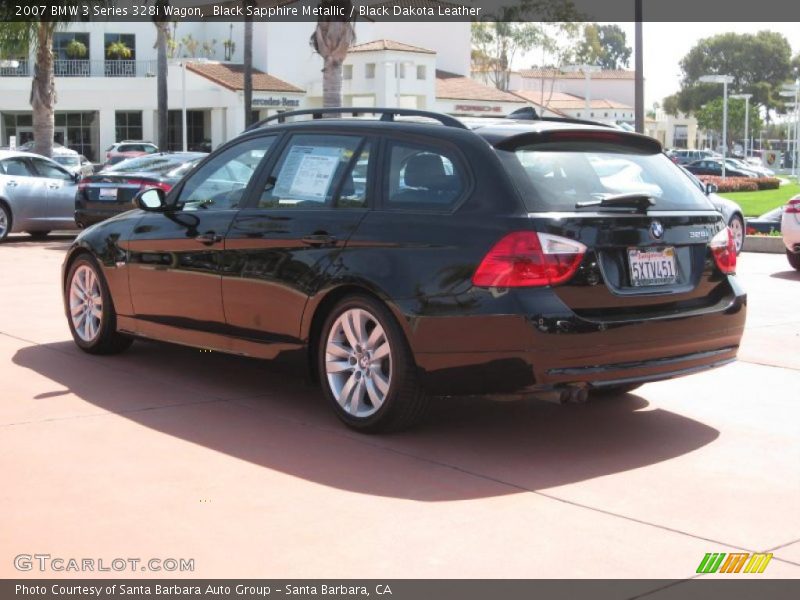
402 10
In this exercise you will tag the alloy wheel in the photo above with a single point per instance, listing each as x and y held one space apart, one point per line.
3 223
738 233
85 303
358 362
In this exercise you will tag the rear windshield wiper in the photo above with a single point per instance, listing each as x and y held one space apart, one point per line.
636 200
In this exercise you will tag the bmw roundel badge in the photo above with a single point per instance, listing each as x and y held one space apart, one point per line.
656 230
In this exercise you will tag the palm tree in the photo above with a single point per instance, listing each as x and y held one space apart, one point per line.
162 35
21 36
332 39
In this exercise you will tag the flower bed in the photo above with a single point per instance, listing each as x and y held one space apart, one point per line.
742 184
731 184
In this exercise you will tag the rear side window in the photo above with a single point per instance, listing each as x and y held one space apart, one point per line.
423 178
15 167
558 176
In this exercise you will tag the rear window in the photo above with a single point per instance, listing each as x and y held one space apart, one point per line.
150 164
67 160
558 176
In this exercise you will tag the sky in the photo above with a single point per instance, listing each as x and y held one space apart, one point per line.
665 44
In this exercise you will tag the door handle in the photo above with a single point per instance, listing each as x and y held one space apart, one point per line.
209 238
53 186
319 239
12 184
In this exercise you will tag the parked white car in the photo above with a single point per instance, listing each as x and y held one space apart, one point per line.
73 162
790 229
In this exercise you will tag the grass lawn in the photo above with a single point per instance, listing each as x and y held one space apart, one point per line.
755 204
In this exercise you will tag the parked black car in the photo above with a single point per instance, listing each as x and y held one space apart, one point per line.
407 259
768 223
713 166
111 191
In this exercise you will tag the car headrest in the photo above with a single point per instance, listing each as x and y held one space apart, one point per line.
425 171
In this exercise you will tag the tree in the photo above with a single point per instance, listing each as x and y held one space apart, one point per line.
332 39
605 46
514 30
162 37
711 114
759 63
17 37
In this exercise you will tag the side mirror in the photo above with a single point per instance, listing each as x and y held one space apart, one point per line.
151 199
711 188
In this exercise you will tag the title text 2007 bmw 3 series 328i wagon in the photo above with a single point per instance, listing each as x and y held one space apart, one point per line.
411 256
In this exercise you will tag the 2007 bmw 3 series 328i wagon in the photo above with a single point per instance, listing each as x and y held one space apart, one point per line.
413 256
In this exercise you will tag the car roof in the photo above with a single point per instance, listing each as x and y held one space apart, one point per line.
19 154
491 130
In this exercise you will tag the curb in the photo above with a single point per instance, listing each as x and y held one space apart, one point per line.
763 243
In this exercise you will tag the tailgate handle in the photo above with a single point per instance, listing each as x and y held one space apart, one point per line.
319 239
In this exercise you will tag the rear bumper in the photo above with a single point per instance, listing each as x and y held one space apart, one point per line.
586 353
89 216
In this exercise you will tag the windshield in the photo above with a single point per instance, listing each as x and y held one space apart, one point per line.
560 176
67 161
151 164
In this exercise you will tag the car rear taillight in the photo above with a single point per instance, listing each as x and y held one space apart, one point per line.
528 258
145 183
723 247
793 206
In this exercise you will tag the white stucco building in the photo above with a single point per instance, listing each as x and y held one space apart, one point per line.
103 99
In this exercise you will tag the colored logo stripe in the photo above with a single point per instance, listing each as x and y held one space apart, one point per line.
713 562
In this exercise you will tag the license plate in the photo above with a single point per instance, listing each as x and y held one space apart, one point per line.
652 266
108 194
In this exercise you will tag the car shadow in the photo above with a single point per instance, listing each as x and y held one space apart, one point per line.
790 275
281 422
54 241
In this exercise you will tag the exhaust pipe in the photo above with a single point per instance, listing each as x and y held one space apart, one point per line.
574 395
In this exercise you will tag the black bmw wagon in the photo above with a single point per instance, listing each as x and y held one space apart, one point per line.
413 256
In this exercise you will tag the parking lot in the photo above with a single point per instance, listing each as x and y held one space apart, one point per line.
171 452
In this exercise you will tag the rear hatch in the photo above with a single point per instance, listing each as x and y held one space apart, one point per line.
646 227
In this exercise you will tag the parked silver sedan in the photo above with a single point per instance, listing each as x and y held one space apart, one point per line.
37 195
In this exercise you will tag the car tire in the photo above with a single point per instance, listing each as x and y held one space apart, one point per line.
794 259
614 390
90 310
38 235
5 221
736 224
364 358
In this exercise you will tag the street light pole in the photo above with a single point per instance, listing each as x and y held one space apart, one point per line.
792 149
746 98
724 80
639 74
587 71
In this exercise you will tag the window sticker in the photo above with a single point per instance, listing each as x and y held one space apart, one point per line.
307 173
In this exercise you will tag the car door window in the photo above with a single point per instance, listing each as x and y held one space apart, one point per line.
308 171
220 183
15 167
423 178
49 170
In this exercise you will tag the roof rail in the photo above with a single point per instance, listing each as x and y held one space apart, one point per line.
528 113
387 114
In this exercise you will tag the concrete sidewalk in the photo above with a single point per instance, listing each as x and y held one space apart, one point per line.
168 452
